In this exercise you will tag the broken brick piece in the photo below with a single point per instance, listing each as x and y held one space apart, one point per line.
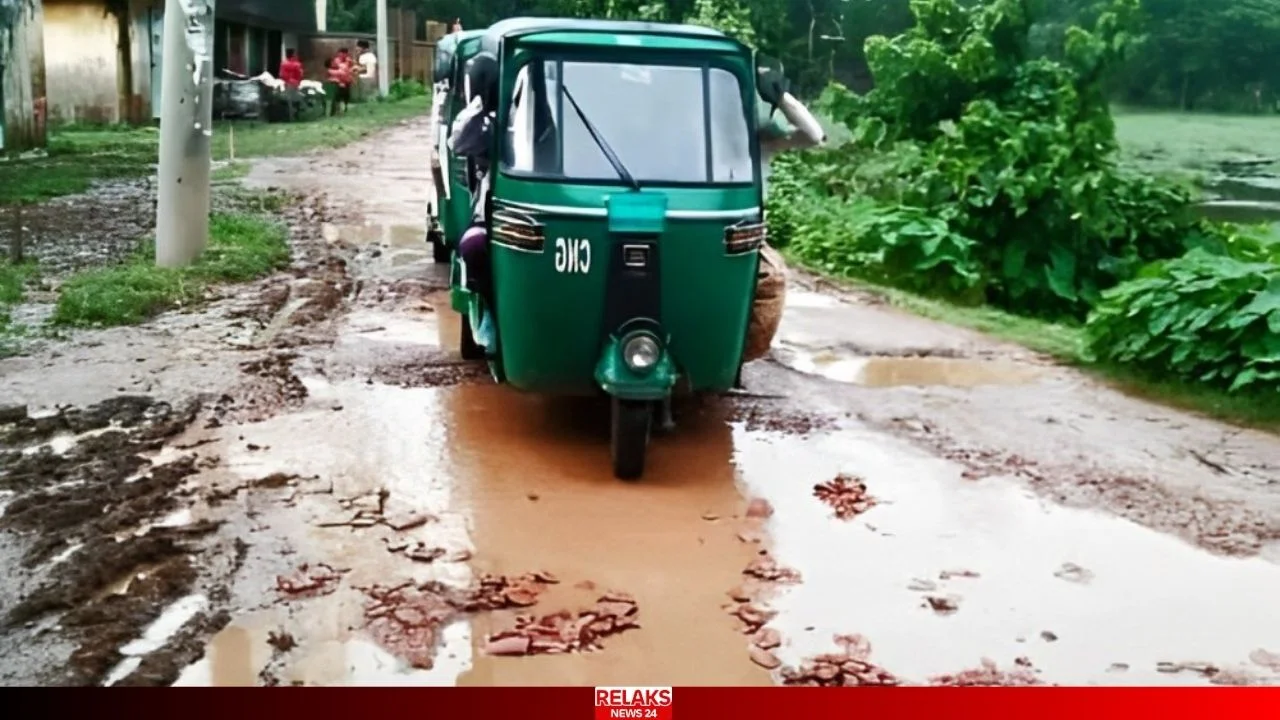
767 638
759 508
309 581
763 657
846 494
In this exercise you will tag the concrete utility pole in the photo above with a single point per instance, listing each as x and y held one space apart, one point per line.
186 132
384 51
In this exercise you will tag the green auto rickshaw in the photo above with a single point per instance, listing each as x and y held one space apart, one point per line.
449 209
625 217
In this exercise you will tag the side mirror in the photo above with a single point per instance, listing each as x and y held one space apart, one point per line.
482 78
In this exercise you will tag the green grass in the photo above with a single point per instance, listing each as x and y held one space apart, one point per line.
259 139
13 288
241 247
230 172
79 156
1065 344
13 281
1193 145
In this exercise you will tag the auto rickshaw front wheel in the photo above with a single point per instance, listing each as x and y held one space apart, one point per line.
632 421
439 251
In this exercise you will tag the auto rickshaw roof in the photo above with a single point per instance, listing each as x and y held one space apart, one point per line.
450 48
524 26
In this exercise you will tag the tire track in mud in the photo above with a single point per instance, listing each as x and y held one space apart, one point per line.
97 499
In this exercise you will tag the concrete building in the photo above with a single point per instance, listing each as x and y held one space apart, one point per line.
104 57
22 77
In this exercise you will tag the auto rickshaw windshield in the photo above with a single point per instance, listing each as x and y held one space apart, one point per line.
666 123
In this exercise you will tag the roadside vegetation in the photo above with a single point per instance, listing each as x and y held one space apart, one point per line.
13 287
985 173
80 156
241 247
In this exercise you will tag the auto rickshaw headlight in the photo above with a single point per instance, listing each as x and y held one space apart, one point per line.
641 353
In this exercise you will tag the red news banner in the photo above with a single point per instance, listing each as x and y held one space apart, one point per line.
640 703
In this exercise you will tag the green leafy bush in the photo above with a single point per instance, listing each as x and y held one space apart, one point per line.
1208 317
405 88
1011 157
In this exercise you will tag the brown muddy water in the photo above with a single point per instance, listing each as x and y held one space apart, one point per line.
540 495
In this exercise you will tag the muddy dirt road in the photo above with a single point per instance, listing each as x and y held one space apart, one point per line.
301 483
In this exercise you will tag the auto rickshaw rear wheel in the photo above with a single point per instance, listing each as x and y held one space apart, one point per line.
467 346
632 421
439 251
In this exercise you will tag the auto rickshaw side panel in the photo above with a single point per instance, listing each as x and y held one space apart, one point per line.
455 210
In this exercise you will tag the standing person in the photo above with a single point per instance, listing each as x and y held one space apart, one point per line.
456 27
291 75
367 61
340 74
291 69
367 64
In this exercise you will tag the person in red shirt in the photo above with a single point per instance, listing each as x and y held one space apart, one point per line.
291 69
342 74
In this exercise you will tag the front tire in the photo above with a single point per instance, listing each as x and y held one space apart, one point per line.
439 251
631 424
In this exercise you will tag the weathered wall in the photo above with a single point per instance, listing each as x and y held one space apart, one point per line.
145 67
22 81
82 61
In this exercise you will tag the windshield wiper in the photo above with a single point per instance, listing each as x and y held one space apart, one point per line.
609 154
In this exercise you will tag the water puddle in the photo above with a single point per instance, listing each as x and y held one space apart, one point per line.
797 298
177 518
121 586
156 635
163 456
542 497
904 371
62 443
330 650
65 554
400 237
1077 593
417 328
1241 211
1264 188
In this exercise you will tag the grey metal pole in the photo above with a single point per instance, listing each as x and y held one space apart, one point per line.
186 132
384 51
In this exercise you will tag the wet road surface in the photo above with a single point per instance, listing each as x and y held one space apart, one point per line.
372 510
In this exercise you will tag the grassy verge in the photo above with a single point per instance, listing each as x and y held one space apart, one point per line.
79 156
258 139
241 247
1065 344
13 288
230 172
